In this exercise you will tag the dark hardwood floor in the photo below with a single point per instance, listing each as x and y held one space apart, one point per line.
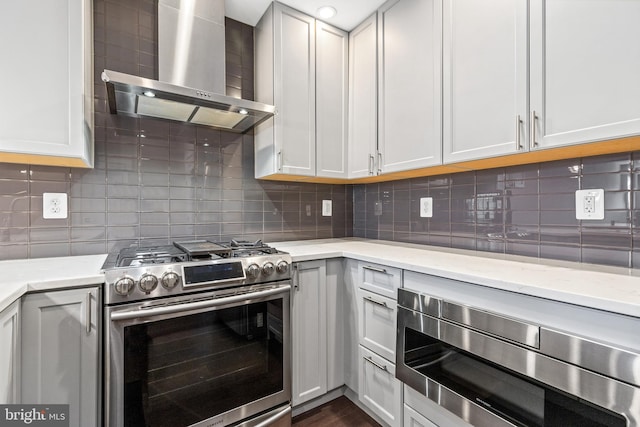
340 412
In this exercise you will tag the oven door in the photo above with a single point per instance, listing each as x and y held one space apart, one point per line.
213 358
489 382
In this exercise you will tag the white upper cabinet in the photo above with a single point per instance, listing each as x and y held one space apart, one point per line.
332 56
363 99
47 73
285 77
485 78
301 68
409 84
585 63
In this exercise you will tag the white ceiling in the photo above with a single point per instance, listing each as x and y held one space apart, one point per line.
350 12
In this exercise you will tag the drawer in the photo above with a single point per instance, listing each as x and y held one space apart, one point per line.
430 410
414 419
379 390
380 279
377 323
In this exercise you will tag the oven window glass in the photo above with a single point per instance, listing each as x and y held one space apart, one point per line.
187 369
518 399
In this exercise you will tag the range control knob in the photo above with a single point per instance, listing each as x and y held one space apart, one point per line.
124 286
253 271
283 267
170 280
148 283
268 268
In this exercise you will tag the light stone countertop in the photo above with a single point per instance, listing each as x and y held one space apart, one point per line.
40 274
606 288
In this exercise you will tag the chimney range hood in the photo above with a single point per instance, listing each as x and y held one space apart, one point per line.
190 58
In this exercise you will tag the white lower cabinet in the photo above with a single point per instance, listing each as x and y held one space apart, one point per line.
377 323
420 410
10 354
379 390
61 361
413 418
309 331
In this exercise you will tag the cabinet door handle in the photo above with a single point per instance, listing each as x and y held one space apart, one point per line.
534 119
279 161
376 269
371 163
296 279
381 304
376 364
379 162
88 312
518 124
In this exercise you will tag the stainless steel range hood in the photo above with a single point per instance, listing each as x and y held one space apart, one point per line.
191 69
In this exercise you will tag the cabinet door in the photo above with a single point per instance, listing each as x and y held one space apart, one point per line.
294 91
309 331
380 391
10 354
335 323
47 98
377 324
485 78
585 63
363 99
351 317
332 55
61 352
409 84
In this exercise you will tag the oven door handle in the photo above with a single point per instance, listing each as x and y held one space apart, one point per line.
197 305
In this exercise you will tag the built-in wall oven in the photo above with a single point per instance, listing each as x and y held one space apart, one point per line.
495 370
198 337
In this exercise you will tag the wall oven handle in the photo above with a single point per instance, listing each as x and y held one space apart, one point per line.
376 364
381 304
274 417
169 309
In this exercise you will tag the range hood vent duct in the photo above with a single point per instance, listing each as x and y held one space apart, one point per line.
192 73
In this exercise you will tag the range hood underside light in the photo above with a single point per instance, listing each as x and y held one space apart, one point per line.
130 95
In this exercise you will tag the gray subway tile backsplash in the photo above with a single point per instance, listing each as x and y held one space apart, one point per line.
522 210
157 181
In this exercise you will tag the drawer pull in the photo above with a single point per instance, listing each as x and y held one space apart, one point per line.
376 364
381 304
377 270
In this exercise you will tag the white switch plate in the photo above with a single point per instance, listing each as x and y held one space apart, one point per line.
326 208
54 205
426 207
590 204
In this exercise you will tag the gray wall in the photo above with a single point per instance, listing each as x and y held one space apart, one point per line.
156 180
521 210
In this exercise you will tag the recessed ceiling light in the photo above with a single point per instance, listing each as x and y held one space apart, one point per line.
326 12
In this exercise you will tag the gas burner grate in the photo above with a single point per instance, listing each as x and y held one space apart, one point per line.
133 257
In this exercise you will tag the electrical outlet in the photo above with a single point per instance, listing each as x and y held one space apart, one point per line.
426 207
54 205
590 204
326 208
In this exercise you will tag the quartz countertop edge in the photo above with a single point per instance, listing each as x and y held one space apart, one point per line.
601 287
41 274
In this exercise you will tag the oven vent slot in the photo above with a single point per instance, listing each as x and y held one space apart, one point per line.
511 329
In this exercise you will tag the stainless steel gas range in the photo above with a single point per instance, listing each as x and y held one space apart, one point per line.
198 335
